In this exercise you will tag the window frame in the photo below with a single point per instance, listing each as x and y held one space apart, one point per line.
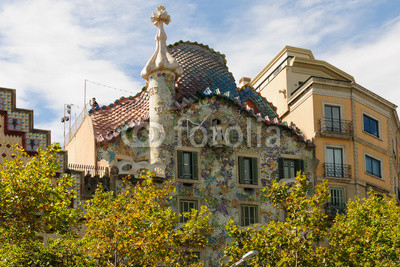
196 172
332 188
378 125
257 172
333 128
181 219
334 104
380 165
249 204
298 165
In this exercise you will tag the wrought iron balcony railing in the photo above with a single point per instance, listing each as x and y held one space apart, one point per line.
337 170
331 209
328 125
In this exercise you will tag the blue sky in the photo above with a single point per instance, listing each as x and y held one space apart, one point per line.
49 47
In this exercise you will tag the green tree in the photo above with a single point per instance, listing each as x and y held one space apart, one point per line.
34 202
138 227
293 241
368 234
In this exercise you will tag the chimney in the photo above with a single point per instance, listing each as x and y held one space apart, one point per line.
244 81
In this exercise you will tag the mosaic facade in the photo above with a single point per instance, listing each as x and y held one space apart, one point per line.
16 127
217 185
191 106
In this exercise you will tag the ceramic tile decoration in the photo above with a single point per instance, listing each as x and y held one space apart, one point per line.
17 127
189 93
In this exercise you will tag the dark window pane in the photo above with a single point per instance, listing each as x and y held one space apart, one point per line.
371 125
249 215
332 118
247 170
373 166
187 165
187 206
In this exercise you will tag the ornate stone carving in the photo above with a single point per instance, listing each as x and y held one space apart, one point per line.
152 91
161 59
128 166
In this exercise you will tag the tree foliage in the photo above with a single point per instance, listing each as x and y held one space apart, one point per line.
293 241
34 202
138 227
368 234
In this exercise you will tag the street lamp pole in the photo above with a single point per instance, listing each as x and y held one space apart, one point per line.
245 257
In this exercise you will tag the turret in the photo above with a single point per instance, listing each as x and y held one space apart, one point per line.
160 73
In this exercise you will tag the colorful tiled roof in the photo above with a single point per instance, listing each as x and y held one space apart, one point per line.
107 120
202 68
204 71
266 108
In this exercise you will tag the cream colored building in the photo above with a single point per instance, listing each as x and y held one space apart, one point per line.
356 132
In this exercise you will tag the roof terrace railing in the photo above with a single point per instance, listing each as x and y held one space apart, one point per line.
89 169
77 124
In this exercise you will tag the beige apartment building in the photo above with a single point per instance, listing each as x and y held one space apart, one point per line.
356 132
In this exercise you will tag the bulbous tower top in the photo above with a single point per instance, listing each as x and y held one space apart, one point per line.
161 59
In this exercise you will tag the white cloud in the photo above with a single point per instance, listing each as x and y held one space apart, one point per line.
262 30
47 55
374 65
49 47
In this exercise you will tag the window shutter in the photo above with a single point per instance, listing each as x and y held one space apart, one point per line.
241 170
280 168
195 170
180 163
254 171
299 165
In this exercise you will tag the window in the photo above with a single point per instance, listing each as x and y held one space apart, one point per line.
187 165
288 168
186 206
249 215
334 162
248 171
332 119
216 122
337 196
337 203
218 131
371 126
373 166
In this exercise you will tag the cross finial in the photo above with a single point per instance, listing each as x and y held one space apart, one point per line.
161 59
161 16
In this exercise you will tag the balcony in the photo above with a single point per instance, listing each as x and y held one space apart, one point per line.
337 170
336 127
331 209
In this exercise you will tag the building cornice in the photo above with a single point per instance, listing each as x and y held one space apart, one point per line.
322 64
360 93
282 53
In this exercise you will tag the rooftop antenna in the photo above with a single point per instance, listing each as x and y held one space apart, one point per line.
84 95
